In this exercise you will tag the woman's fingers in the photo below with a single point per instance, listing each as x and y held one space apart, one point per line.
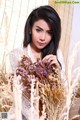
52 59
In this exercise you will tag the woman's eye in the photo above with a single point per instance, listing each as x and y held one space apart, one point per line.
38 30
50 32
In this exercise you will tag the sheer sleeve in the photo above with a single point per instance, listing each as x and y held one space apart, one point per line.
14 57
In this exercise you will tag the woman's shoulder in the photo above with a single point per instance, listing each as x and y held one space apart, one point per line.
61 58
16 51
15 56
59 52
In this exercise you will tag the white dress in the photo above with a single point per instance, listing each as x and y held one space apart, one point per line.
15 56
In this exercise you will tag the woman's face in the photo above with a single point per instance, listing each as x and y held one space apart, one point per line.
41 34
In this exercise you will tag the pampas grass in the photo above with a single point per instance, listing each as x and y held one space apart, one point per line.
72 82
6 96
17 93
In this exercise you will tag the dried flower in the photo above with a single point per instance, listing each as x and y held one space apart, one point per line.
50 88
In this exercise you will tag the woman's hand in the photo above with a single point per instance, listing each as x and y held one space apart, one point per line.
52 59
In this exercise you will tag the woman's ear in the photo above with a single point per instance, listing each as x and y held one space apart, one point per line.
30 32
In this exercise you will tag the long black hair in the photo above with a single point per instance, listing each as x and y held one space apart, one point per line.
48 14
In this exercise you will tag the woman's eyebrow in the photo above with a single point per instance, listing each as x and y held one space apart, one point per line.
43 29
39 27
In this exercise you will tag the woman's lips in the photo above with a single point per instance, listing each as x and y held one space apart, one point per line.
41 43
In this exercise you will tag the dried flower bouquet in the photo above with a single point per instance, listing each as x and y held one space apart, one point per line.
42 85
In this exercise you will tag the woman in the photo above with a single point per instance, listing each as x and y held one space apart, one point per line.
41 40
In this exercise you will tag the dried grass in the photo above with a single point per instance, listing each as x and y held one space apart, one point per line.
73 83
50 90
6 96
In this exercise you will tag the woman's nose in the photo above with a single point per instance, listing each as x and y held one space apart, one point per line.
43 35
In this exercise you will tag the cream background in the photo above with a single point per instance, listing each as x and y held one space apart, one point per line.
70 36
13 15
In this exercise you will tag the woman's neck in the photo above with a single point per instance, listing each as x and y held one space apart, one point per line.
34 53
34 48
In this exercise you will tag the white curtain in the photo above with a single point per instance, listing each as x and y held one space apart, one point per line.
13 15
74 48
